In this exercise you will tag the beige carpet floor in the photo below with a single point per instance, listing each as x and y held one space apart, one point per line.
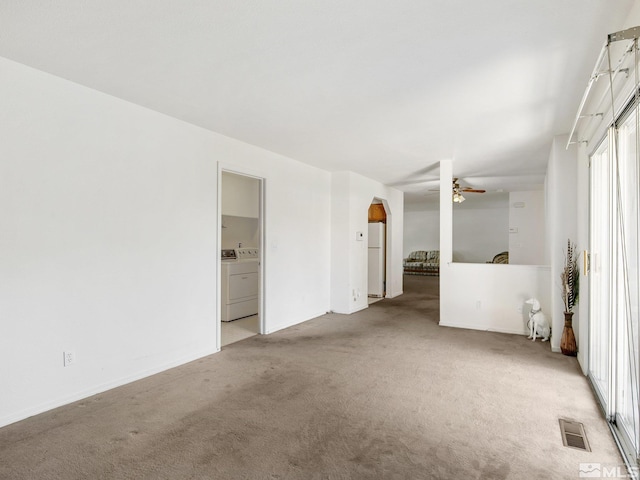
381 394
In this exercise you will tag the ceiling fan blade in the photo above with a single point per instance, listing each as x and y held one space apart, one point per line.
472 190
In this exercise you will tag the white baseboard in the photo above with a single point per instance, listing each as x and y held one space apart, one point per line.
277 328
484 328
96 389
394 295
359 308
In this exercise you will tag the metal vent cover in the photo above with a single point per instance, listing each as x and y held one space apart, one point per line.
573 435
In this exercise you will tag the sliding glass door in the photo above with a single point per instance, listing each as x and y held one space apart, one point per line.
627 281
614 282
600 275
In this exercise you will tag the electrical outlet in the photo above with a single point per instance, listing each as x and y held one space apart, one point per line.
478 305
69 357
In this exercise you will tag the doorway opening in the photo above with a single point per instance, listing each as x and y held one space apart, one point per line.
377 251
240 265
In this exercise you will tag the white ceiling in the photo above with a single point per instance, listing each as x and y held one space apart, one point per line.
382 88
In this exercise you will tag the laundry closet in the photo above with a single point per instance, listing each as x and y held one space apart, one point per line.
240 257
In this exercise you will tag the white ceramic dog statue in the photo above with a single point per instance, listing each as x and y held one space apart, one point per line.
538 323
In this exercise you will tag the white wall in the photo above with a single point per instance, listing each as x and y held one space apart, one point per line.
351 196
593 130
562 225
341 238
240 195
446 222
297 236
491 297
582 240
483 296
240 207
526 228
480 229
108 240
240 230
479 233
421 229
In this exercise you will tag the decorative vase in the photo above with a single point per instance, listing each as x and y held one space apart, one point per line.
568 340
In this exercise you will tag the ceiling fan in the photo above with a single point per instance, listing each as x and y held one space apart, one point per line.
457 191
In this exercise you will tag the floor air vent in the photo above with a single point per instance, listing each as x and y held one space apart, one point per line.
573 435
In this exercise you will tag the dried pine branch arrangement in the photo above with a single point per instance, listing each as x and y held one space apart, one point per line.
570 278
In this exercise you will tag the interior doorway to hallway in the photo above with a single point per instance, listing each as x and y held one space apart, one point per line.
377 251
240 265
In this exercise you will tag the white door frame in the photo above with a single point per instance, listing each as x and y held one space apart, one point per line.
387 245
247 172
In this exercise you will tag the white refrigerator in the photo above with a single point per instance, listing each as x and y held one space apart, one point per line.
376 260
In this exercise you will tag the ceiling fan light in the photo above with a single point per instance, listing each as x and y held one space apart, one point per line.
457 197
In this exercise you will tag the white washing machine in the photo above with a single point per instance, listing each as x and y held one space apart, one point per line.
240 283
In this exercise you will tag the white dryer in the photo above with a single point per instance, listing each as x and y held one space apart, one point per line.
240 283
